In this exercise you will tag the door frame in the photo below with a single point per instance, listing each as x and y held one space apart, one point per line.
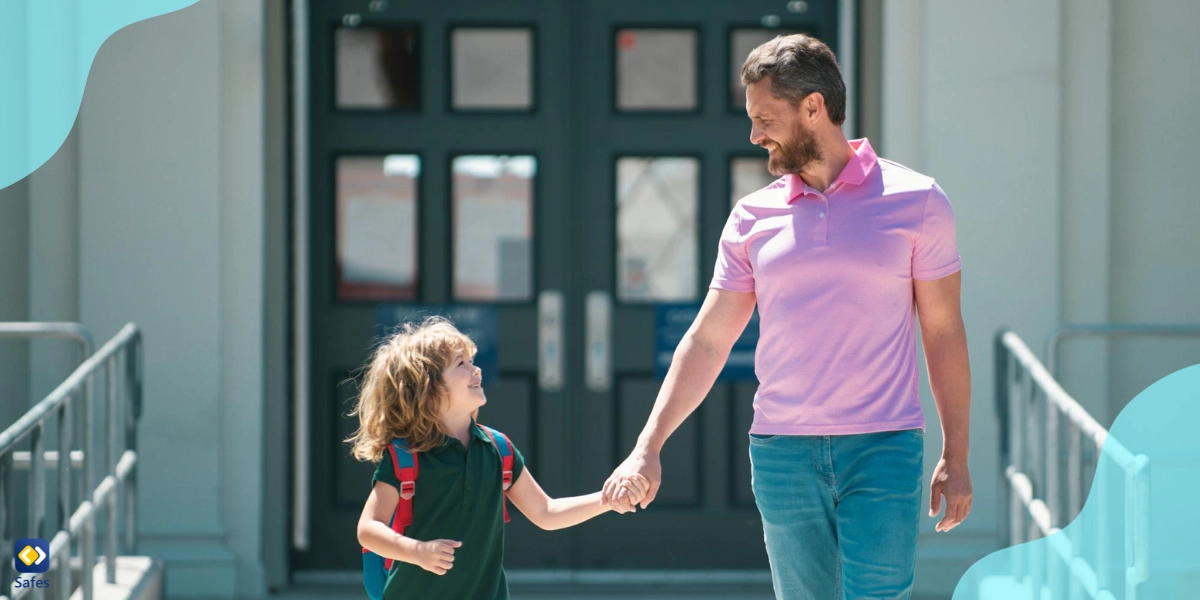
288 455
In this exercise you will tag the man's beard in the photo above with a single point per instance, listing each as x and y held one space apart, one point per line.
794 157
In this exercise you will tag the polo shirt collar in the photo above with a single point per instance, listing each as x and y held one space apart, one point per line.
476 432
477 429
854 173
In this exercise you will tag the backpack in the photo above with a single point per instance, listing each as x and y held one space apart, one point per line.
404 461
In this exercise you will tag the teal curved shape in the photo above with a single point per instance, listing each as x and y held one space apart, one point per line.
1159 431
46 50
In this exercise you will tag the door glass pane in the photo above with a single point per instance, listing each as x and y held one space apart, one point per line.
493 227
657 200
656 69
741 43
747 175
492 69
377 227
377 68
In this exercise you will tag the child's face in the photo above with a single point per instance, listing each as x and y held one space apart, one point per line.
464 388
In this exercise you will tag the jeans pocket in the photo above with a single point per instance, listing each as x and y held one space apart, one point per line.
758 438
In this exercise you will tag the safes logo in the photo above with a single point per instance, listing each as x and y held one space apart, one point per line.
32 555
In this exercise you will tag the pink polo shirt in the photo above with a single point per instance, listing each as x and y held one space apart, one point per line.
833 276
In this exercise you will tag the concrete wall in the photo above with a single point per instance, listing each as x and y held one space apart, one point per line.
1055 127
171 237
1155 247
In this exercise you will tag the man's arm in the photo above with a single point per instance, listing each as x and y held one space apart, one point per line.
945 341
698 360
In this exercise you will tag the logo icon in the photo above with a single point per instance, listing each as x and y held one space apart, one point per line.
31 555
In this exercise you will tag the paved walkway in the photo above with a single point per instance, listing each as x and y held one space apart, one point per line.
547 592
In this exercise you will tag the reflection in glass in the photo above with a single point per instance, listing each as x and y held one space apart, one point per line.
741 43
377 227
747 175
657 200
377 67
493 227
656 69
492 69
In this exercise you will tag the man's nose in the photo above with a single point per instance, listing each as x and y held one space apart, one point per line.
756 136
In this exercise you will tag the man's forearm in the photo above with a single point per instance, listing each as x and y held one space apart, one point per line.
950 381
694 368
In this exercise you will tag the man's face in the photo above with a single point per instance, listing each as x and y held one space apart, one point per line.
777 126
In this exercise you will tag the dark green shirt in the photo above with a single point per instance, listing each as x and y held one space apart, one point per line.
458 497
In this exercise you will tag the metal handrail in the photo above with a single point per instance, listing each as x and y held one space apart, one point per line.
1020 379
119 475
1057 336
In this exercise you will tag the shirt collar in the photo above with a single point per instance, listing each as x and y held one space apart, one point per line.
477 429
854 173
476 432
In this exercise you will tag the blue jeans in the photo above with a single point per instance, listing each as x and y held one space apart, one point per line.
840 512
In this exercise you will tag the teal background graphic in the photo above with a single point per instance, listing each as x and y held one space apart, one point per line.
46 51
1162 424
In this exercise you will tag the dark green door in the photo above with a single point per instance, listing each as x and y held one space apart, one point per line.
569 165
662 151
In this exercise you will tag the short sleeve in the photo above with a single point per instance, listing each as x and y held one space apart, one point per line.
385 472
935 253
733 271
518 462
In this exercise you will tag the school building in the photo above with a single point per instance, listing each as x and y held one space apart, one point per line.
261 185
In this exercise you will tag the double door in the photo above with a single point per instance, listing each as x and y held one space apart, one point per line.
553 173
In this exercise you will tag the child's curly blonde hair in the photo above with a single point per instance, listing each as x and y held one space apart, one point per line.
402 391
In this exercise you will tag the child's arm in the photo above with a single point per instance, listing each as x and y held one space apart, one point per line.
556 513
376 535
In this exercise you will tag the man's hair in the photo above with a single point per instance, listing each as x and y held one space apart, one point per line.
402 391
799 65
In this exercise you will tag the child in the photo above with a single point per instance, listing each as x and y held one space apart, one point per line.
421 386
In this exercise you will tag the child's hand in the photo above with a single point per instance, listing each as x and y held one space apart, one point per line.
635 487
436 556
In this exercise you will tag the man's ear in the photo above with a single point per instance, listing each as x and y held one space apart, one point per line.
812 106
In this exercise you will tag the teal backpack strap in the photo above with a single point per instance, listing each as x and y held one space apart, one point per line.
375 567
505 449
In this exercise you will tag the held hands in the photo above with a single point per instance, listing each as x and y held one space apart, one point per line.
952 480
632 487
642 464
436 556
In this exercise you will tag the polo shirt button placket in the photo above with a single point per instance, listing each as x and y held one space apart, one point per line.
821 234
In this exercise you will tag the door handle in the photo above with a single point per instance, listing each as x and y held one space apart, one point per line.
550 340
598 363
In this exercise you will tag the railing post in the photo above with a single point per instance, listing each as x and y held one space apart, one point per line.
1000 362
1141 549
6 509
1075 473
86 542
1130 513
110 470
1017 450
1100 491
135 413
63 590
37 488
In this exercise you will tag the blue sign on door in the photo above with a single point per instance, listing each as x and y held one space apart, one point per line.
476 320
671 322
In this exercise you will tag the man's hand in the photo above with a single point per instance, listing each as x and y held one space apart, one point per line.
952 480
641 462
436 556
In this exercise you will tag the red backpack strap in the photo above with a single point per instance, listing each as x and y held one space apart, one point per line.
506 463
404 463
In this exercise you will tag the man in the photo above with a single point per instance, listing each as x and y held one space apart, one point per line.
841 255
